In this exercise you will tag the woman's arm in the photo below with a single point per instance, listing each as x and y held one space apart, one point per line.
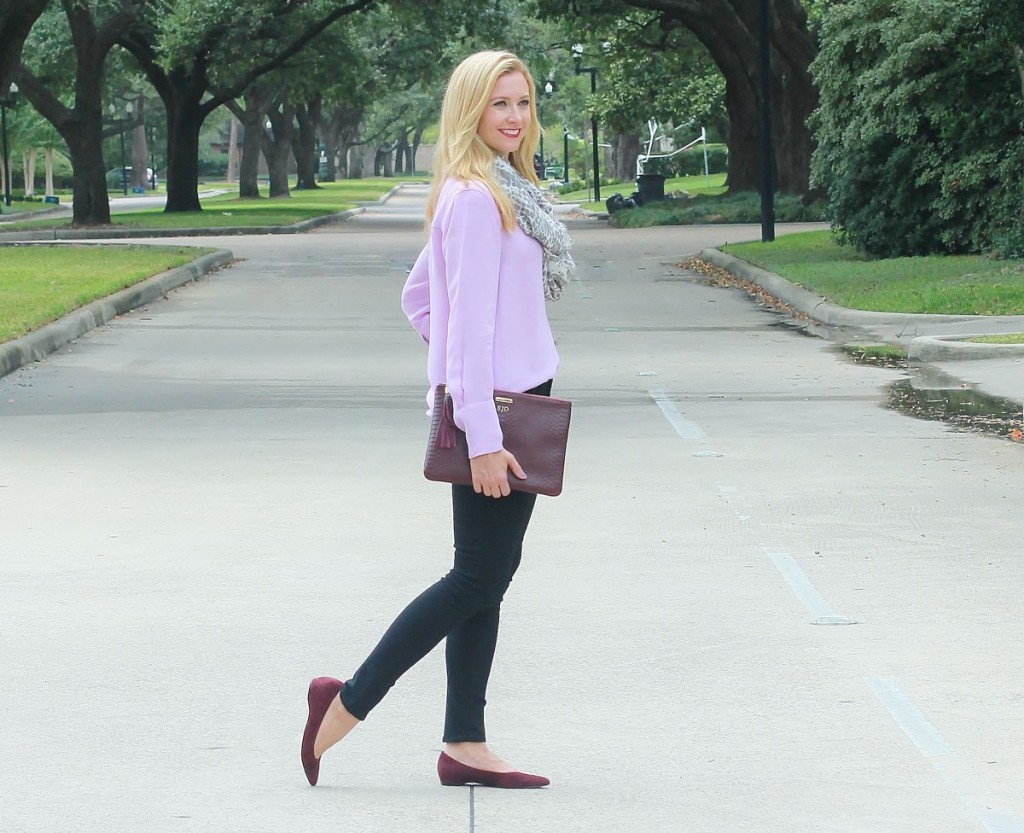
416 296
471 243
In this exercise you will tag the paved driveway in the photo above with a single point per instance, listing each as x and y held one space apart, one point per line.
210 500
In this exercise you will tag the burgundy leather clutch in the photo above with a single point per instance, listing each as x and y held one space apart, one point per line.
535 429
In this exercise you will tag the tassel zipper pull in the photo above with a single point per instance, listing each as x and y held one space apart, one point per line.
446 425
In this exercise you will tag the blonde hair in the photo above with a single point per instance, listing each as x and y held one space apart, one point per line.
461 153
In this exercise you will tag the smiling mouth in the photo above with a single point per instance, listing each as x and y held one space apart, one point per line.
512 134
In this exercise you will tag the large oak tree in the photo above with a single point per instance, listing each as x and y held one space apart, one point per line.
200 54
728 29
93 29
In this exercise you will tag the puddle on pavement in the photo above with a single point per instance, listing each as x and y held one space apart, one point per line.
924 396
931 395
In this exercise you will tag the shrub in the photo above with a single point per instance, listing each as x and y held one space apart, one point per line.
691 162
918 127
742 207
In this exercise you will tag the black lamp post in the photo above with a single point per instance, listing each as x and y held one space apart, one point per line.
549 88
565 152
152 159
129 111
577 56
5 102
766 152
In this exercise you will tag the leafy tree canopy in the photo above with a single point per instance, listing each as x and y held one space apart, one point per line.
919 139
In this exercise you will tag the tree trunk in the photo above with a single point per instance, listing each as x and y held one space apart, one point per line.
48 157
82 131
728 29
741 103
249 163
330 139
250 119
277 147
383 163
794 96
343 130
233 151
182 95
402 153
625 150
184 121
307 159
417 140
91 205
140 146
1018 54
350 158
29 159
362 158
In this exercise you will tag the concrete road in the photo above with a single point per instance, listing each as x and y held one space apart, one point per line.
764 603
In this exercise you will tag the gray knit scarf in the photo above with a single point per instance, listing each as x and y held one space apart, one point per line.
535 217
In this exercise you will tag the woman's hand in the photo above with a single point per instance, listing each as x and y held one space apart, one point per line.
490 472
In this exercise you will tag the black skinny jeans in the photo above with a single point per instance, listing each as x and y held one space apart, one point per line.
463 606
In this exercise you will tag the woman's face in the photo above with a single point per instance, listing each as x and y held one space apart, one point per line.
507 114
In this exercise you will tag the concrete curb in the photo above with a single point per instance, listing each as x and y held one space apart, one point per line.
385 197
959 348
921 348
35 235
816 307
40 343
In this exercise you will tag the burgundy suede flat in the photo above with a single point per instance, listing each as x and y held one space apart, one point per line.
455 774
322 692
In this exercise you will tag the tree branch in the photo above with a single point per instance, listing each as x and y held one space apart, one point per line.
292 49
49 106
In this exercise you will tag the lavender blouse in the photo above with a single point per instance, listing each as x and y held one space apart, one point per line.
476 296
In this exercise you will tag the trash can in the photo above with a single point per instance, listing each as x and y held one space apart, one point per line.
651 187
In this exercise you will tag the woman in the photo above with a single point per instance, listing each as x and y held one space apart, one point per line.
476 295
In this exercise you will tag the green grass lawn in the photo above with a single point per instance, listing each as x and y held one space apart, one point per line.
39 284
953 285
228 210
1002 338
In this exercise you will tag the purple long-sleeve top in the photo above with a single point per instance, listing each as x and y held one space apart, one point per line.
476 296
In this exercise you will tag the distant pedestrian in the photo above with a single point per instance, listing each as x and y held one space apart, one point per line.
476 295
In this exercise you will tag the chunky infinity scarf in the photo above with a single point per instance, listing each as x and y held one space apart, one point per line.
535 217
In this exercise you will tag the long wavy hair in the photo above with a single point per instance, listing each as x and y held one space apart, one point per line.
461 153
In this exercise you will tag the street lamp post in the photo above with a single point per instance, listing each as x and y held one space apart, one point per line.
577 56
766 154
124 172
565 153
5 102
549 88
152 159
